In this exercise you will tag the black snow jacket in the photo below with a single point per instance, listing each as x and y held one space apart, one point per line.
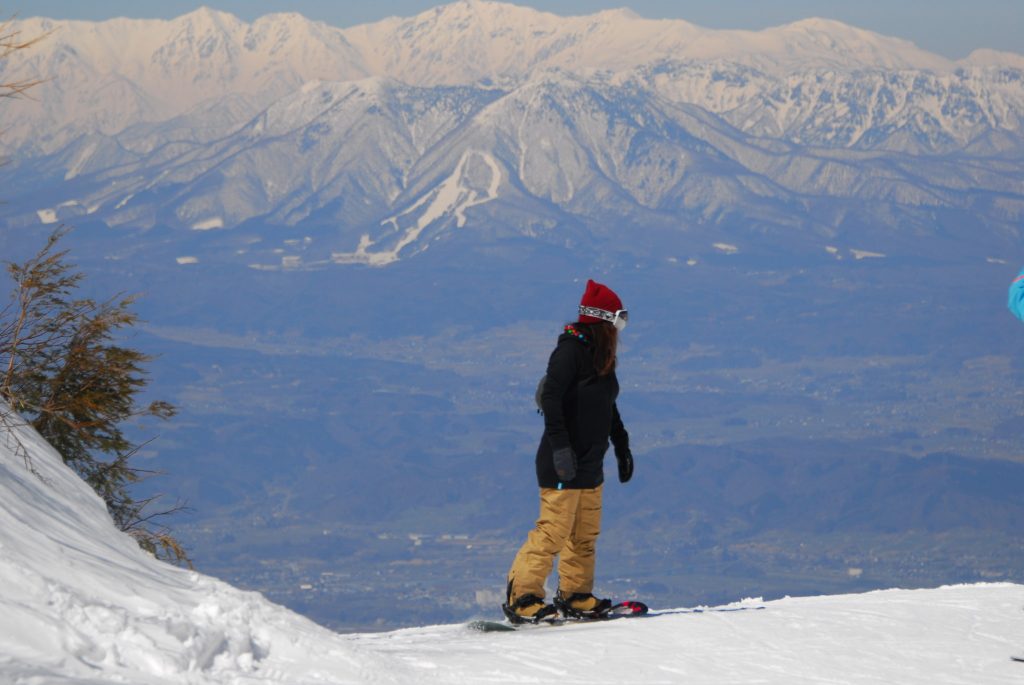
579 412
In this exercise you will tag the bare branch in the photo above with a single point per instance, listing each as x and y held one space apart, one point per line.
11 42
9 423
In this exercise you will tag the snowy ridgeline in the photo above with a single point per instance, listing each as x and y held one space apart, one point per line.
79 602
166 68
506 121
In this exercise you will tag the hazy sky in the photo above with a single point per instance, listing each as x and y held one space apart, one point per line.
949 27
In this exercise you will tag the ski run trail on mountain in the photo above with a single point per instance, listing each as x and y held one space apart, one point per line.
450 197
80 603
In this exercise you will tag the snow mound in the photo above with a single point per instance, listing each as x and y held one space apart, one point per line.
80 603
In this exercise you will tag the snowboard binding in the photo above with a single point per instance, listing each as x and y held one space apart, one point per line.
582 605
516 613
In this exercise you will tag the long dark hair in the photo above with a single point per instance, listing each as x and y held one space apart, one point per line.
605 339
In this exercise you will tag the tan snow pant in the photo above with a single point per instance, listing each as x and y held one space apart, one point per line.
568 525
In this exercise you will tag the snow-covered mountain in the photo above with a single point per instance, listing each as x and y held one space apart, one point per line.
390 167
103 77
973 109
509 122
475 39
109 75
80 603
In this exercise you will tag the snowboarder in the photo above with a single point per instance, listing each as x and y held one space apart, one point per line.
580 415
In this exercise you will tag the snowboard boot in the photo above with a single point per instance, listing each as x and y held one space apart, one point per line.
582 605
529 609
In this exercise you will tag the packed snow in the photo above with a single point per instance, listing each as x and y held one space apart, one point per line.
79 162
52 216
452 197
81 603
208 224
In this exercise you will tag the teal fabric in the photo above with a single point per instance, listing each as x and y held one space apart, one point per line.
1016 302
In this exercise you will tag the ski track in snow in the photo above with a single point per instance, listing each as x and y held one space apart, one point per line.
81 159
896 636
450 198
81 603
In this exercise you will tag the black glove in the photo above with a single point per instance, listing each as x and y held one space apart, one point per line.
625 459
565 464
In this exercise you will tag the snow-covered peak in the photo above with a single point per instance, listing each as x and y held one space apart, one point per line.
993 58
620 13
853 46
464 41
154 70
460 42
208 18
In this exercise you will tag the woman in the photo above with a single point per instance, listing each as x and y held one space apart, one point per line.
578 401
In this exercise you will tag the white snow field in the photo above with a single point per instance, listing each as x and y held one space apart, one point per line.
80 603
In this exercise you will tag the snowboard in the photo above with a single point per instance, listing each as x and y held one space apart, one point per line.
620 610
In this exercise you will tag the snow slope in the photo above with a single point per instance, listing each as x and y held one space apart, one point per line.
80 603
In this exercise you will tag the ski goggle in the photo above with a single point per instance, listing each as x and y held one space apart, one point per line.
618 318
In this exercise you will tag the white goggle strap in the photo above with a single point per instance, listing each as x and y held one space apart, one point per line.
611 317
602 314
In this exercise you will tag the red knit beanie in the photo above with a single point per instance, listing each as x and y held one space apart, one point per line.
600 297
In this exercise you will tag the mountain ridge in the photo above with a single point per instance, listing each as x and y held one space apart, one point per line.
274 54
364 153
390 135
